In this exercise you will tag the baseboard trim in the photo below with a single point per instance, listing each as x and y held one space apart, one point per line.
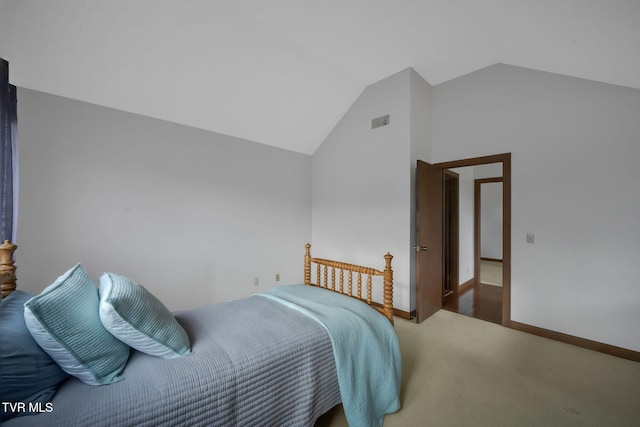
466 285
398 313
404 314
577 341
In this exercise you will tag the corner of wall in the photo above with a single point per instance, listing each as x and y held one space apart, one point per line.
421 99
360 196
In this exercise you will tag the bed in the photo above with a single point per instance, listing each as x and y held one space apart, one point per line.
282 357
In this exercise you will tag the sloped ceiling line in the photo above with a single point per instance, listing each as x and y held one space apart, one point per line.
283 72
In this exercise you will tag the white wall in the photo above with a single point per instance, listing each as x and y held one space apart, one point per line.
491 210
194 216
361 184
489 170
491 220
575 149
115 191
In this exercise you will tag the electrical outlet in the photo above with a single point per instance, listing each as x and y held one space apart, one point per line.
277 277
255 281
531 238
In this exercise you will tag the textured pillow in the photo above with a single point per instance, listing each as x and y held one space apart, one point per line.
64 321
27 374
134 316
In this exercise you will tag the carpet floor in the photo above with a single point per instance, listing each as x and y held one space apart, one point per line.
459 371
491 272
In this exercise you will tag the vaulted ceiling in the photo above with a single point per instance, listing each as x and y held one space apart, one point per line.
283 72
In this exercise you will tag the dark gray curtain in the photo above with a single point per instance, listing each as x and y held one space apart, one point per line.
8 155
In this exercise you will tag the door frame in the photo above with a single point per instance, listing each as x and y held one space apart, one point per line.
451 216
505 159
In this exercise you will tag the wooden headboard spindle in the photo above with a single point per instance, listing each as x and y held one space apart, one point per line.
7 268
333 278
322 279
388 286
326 276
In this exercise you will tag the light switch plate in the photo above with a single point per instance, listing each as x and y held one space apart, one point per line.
531 238
380 121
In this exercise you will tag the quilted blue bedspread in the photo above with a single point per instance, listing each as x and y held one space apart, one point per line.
365 347
276 359
255 362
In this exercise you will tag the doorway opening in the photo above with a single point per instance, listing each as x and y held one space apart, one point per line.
480 294
448 275
488 252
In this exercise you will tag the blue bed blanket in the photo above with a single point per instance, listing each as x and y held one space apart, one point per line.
365 348
255 362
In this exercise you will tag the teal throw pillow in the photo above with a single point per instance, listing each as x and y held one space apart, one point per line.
136 317
64 321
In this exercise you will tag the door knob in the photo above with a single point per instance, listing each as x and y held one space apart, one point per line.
421 248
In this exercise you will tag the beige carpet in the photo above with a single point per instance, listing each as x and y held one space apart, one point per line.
491 272
459 371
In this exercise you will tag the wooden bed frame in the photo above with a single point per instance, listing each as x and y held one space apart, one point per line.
7 268
322 279
8 277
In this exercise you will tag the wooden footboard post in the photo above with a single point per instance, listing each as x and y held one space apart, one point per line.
387 302
7 268
307 264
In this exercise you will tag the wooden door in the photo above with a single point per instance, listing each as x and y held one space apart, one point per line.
429 255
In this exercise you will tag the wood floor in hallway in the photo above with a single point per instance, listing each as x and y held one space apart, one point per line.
479 301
